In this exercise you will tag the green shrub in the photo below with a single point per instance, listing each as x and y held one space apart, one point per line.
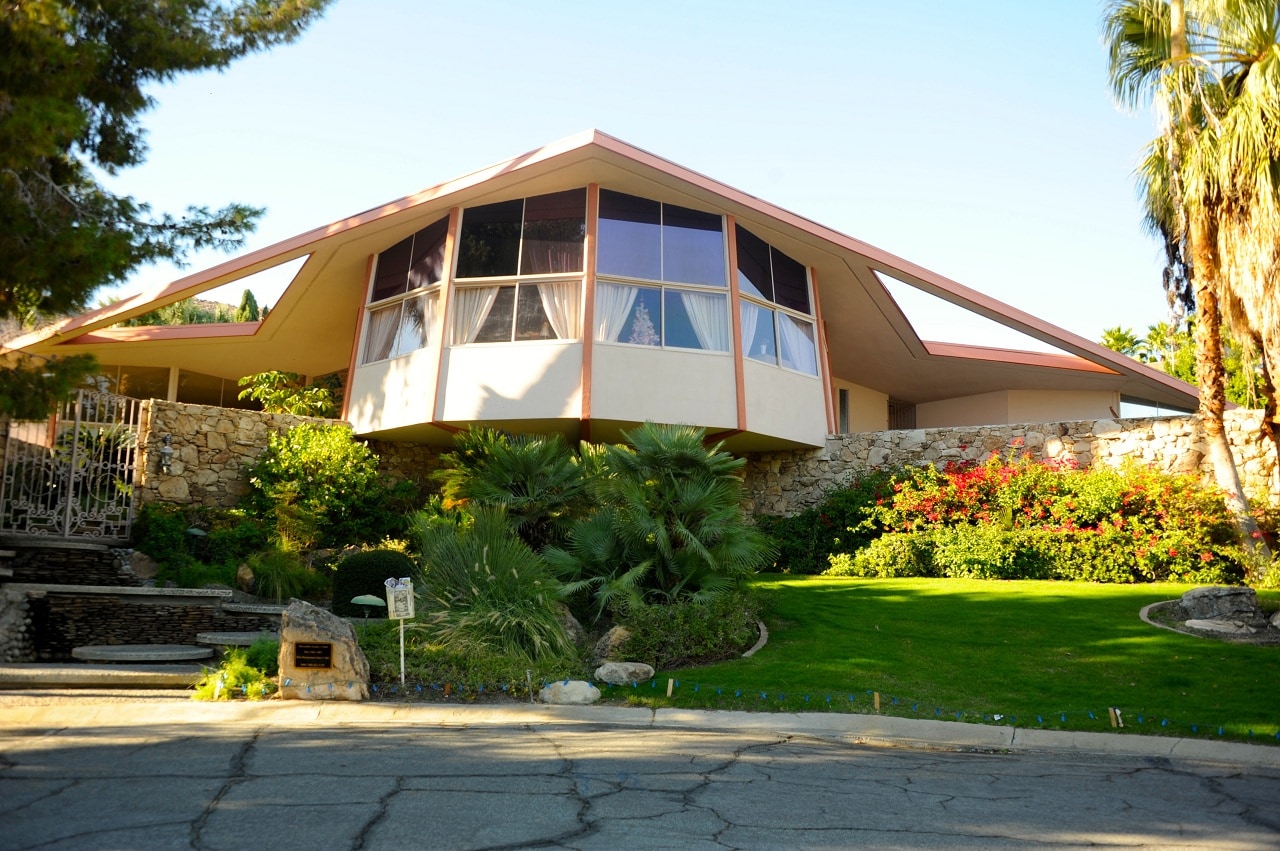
232 535
484 591
367 573
234 679
987 552
894 554
321 487
690 632
264 654
279 575
841 523
160 530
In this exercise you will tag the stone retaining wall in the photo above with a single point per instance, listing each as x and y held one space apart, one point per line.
786 483
16 634
70 563
214 447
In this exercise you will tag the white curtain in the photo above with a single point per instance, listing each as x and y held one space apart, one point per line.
415 327
798 351
562 304
471 309
750 318
706 314
381 337
613 306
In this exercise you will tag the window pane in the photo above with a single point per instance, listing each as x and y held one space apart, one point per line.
753 265
798 351
532 322
630 236
758 342
643 325
490 240
428 255
416 320
692 246
380 338
144 382
695 320
497 325
196 388
393 270
790 283
555 227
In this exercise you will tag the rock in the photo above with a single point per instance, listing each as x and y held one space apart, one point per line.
1220 602
1275 621
143 565
572 628
244 578
569 693
623 673
609 645
333 665
1229 627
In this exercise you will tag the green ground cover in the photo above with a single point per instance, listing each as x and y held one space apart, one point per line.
1053 655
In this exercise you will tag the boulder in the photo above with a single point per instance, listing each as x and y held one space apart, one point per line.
623 673
143 565
320 658
572 628
1222 603
609 645
1227 627
244 578
569 693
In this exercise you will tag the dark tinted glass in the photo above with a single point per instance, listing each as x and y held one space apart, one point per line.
428 255
692 246
531 319
497 325
196 388
753 265
393 270
144 382
790 284
630 236
554 229
490 240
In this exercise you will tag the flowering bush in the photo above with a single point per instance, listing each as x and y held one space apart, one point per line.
1014 518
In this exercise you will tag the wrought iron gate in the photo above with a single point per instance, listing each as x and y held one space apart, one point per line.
72 476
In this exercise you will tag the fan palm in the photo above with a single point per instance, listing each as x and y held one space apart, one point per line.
1212 69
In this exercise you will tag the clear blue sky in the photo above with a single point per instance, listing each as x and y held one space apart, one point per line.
977 139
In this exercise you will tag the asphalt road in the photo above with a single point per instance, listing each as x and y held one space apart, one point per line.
148 775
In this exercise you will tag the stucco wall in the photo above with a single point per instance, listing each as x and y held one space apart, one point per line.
788 482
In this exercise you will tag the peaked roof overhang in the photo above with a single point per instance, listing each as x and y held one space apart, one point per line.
311 328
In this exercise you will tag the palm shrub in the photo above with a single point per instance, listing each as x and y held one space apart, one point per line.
484 591
535 478
668 524
366 573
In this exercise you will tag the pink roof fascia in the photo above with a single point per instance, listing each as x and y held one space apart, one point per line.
1015 356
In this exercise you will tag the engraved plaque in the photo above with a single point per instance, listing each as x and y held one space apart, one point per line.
312 655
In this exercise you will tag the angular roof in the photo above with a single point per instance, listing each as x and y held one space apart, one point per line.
311 328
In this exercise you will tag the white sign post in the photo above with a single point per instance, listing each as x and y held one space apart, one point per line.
400 607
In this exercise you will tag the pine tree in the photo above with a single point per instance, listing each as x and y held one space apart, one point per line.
74 76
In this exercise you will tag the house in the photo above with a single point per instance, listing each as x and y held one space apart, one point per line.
587 286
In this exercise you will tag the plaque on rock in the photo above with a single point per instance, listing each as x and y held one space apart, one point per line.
313 654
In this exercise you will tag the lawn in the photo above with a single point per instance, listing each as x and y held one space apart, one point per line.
1054 655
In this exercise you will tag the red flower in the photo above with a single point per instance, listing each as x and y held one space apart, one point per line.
1206 556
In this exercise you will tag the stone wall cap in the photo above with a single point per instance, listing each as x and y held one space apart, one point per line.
121 590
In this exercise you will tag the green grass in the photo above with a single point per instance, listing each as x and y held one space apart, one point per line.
1029 652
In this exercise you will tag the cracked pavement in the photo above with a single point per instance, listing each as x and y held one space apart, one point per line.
407 781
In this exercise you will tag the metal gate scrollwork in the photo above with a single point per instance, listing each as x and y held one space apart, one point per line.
72 476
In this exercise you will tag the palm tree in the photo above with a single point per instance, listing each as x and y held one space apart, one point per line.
1210 67
1124 341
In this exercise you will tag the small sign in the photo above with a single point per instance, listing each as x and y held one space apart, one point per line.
399 598
312 655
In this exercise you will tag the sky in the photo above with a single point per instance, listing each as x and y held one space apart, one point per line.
977 139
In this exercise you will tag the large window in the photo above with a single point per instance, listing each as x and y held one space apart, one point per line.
525 244
775 306
675 259
404 295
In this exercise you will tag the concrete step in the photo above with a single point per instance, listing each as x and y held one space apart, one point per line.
141 653
39 675
234 639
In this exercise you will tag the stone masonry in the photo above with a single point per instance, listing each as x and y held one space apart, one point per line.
786 483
